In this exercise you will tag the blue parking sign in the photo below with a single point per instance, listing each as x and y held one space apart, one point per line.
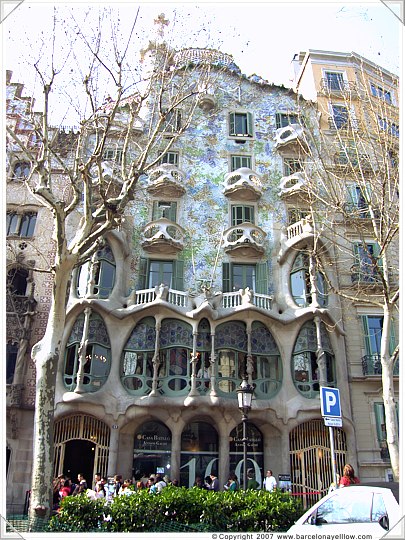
330 402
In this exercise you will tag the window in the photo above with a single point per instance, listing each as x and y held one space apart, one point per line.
378 91
285 119
372 332
382 123
11 360
301 285
98 273
21 170
351 508
240 124
113 154
137 358
242 214
237 162
394 130
367 262
340 116
239 276
334 80
231 344
305 370
164 209
357 199
97 358
379 415
155 272
171 157
296 214
267 365
17 281
172 121
22 225
175 346
291 166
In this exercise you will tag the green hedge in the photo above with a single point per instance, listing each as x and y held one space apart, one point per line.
180 509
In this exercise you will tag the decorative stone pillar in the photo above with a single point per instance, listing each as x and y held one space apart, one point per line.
82 351
249 358
213 358
320 354
156 361
112 466
193 361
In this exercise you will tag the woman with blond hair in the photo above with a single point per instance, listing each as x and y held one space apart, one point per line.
348 477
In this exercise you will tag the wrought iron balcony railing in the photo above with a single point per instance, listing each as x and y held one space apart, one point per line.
337 87
371 365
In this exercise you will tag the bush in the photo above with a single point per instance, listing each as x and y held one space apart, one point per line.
180 509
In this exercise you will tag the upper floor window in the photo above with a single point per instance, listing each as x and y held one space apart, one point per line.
239 276
113 154
285 119
291 166
98 274
381 427
97 360
21 170
240 124
171 157
378 91
22 225
372 334
164 209
241 213
301 284
296 214
11 360
172 121
156 272
237 162
340 116
367 262
358 197
17 281
305 360
394 129
334 80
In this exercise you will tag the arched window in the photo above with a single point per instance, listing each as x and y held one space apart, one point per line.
254 452
231 345
203 367
100 272
300 282
199 452
267 365
136 362
152 449
305 370
21 170
17 281
176 344
98 354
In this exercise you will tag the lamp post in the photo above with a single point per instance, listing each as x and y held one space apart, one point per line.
245 396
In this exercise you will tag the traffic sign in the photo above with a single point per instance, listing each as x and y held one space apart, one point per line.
332 422
330 402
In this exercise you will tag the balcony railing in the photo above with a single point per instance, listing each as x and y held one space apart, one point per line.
371 364
244 182
166 180
365 273
299 228
337 87
291 184
291 134
162 235
342 123
247 238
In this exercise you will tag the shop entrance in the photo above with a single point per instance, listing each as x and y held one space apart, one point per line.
79 458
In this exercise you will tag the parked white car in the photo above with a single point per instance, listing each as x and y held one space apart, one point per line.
353 509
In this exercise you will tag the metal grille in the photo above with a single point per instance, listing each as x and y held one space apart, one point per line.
82 427
310 459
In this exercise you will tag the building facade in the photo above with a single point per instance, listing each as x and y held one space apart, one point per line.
207 280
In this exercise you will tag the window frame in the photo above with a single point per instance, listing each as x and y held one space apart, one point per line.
171 158
169 211
341 74
260 277
234 119
26 169
20 220
292 165
282 119
116 154
235 157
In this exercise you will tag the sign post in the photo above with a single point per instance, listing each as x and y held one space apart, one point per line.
332 415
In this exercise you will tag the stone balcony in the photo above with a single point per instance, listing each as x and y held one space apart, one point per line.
246 240
166 180
163 236
243 184
290 136
294 234
292 184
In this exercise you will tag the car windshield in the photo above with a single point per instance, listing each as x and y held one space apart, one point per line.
351 507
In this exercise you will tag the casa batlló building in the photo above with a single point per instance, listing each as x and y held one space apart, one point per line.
205 281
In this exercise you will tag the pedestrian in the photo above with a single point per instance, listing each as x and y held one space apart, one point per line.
81 486
348 478
252 483
214 486
97 478
233 483
269 483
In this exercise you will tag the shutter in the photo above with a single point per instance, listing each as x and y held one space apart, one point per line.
173 212
393 339
143 264
249 124
232 124
178 275
366 332
278 121
262 285
352 194
380 422
226 277
155 211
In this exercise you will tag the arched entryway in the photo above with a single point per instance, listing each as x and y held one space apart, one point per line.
310 459
81 444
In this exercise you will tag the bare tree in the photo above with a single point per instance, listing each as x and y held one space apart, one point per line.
120 138
348 190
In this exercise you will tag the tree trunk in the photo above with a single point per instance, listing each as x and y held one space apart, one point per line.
387 379
46 355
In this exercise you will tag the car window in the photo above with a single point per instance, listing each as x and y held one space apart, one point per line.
378 507
350 508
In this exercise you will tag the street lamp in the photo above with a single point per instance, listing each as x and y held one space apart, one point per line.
245 396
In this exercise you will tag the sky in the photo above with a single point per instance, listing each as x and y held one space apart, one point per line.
261 36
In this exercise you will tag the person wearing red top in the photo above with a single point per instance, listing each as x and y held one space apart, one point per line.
348 478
